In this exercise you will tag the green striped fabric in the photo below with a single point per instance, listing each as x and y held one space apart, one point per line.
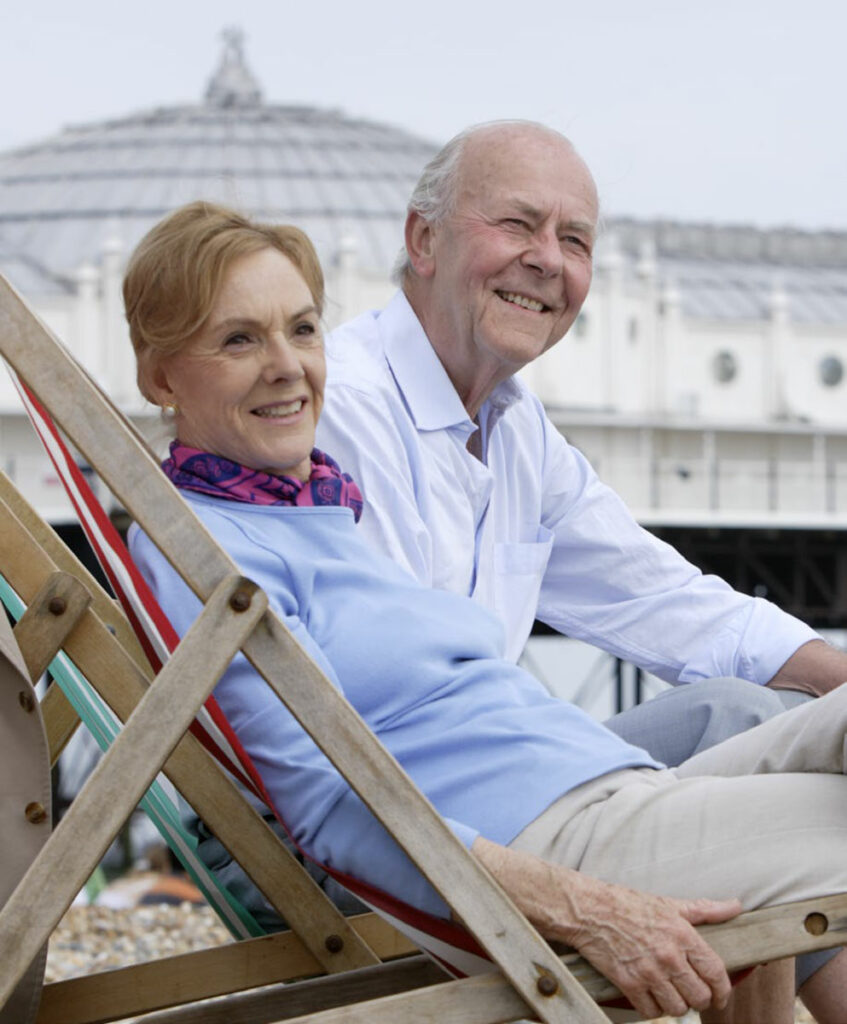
159 803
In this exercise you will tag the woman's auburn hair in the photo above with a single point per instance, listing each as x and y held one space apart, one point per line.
174 274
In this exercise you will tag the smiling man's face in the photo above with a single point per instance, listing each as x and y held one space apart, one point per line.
503 276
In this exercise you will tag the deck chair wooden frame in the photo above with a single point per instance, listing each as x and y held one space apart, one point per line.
532 980
44 572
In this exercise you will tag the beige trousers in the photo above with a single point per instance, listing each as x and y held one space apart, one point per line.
761 817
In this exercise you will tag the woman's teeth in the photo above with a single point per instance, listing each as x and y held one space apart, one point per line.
284 409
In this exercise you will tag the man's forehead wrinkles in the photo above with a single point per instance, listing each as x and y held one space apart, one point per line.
528 206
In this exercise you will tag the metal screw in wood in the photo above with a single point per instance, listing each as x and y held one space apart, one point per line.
240 601
35 812
547 986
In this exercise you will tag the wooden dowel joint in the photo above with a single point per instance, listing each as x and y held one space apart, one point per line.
816 923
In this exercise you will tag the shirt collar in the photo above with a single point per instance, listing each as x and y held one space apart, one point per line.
433 402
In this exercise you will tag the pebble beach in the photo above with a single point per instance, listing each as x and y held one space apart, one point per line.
93 939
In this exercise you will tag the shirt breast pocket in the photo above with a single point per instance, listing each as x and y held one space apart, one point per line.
519 568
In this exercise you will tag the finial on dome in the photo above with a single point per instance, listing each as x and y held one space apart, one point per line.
233 84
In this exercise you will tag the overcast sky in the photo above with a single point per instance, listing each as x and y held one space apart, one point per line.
722 111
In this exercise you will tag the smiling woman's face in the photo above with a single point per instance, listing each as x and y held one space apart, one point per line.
249 385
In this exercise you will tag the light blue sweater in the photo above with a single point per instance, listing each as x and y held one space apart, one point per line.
483 739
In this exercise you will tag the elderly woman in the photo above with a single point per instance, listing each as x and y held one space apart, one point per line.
225 317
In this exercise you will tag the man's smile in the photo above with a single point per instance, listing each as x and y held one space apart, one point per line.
524 301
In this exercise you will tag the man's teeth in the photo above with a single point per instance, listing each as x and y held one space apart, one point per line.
522 300
284 409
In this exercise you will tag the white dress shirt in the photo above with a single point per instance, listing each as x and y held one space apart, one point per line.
529 530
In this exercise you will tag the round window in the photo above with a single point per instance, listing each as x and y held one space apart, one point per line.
831 371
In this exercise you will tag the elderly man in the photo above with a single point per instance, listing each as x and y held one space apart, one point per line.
470 487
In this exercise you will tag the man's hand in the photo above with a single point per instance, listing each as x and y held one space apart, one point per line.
646 945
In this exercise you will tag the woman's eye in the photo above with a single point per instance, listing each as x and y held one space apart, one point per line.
237 341
307 331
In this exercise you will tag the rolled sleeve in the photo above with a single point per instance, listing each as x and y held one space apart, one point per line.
771 637
613 584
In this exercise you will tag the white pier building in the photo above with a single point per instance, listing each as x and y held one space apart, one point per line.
705 379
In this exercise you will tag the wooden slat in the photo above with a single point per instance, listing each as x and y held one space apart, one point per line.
479 1000
282 1002
64 559
60 720
776 932
122 776
40 634
231 968
129 471
122 682
52 614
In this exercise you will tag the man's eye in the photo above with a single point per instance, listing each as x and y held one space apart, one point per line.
516 222
578 241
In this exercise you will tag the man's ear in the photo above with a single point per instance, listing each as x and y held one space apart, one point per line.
420 244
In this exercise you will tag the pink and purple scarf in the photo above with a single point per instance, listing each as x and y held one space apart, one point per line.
195 470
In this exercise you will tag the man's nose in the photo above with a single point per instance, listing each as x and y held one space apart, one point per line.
544 254
282 360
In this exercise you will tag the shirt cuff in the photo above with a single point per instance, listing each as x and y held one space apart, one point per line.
769 640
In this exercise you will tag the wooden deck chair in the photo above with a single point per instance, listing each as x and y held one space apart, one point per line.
159 803
42 571
25 811
532 979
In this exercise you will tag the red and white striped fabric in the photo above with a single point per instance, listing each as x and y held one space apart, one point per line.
447 943
154 631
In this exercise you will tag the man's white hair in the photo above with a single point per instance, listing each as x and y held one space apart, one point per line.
434 196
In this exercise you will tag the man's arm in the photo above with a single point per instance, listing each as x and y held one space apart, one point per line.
614 585
814 668
644 944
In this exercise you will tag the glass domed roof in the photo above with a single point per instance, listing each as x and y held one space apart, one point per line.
67 198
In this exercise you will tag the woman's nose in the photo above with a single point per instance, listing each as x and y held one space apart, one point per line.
282 361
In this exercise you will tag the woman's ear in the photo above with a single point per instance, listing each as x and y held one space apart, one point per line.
420 244
153 380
